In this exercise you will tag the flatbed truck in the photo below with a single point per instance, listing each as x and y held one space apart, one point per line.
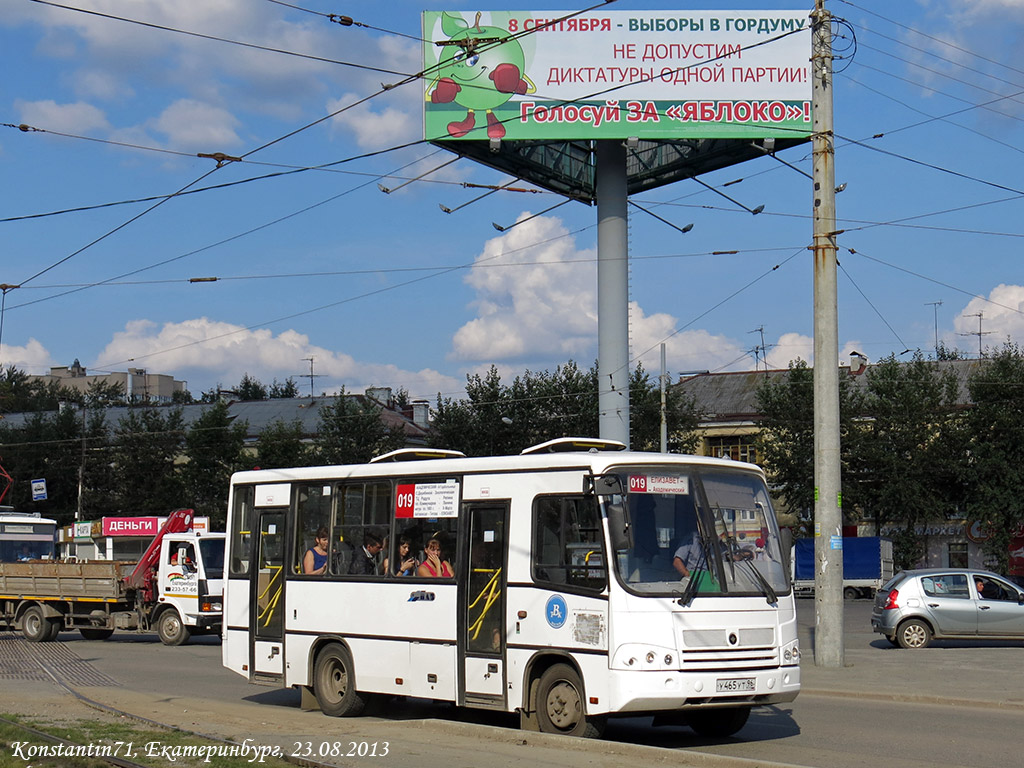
175 589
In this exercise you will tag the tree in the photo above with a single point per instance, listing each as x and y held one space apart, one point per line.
104 394
17 393
146 443
46 447
681 415
351 431
250 388
540 406
286 390
786 439
995 469
213 449
280 445
905 472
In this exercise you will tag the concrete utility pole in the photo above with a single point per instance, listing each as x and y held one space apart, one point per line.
612 291
828 520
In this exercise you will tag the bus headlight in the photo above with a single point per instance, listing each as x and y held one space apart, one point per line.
791 653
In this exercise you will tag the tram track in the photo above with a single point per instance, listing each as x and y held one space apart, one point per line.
77 749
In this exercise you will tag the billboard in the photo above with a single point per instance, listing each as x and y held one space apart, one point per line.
614 75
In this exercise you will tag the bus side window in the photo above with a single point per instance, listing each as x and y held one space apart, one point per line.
567 542
313 512
241 529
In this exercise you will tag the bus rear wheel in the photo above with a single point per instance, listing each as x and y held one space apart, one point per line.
718 723
334 683
561 704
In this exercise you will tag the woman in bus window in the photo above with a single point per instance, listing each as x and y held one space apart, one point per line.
315 559
406 562
434 565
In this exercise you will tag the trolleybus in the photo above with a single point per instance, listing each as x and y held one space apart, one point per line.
570 583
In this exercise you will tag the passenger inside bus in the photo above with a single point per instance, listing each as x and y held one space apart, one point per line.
364 561
405 563
435 565
315 559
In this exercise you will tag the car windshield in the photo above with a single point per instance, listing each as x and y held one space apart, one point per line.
682 546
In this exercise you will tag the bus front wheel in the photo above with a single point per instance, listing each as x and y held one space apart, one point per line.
561 705
334 683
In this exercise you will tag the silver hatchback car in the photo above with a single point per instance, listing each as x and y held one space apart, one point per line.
915 607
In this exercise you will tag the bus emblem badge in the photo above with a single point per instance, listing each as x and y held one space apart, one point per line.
556 611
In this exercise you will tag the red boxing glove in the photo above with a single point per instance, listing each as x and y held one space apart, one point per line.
507 80
445 91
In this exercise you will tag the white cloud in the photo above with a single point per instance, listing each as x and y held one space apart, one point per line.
788 348
79 118
33 358
205 352
537 301
1002 318
192 124
536 296
375 123
689 350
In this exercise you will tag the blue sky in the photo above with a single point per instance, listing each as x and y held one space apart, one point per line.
387 290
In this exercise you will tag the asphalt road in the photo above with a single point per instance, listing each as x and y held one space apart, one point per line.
956 704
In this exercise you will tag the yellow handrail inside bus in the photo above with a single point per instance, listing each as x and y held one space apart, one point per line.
491 590
268 609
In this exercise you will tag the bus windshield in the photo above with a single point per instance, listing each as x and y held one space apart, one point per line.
26 539
684 542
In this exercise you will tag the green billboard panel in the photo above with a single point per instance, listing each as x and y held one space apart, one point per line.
614 75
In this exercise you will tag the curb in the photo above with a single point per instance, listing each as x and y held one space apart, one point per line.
910 698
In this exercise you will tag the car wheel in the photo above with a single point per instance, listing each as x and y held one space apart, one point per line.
171 628
560 704
914 634
334 683
850 593
718 723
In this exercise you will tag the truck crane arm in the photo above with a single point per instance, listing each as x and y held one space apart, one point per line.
179 521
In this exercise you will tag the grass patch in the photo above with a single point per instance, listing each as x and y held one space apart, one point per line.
127 739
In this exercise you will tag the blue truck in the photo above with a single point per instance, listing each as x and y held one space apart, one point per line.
867 565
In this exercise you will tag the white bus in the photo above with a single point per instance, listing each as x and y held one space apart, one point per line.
25 536
567 599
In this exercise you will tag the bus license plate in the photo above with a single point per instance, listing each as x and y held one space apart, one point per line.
736 684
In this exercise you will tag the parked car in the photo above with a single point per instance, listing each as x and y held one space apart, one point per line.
915 607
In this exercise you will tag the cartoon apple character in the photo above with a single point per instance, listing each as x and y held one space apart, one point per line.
478 71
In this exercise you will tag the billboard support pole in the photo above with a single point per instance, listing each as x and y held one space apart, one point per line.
612 290
828 520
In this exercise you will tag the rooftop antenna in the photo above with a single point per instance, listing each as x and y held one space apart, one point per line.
935 305
311 375
979 333
761 349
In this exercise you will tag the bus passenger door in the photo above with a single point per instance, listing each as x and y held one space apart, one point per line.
482 606
267 611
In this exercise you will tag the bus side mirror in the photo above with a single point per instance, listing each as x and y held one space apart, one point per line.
602 485
619 529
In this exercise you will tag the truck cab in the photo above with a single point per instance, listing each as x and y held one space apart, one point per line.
191 586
